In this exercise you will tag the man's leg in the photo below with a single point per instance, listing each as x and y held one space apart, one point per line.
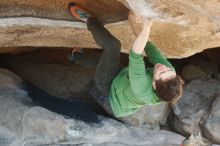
108 65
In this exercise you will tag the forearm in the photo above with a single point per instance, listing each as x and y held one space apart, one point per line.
141 40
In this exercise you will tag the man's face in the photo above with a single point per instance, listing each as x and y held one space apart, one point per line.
161 72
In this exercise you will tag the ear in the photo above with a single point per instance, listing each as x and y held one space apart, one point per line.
182 81
154 84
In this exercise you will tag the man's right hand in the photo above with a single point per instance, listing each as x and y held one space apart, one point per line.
138 22
143 34
135 23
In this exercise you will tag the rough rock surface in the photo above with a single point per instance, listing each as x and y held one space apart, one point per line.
14 103
149 116
50 71
182 29
213 54
38 32
194 106
211 125
199 68
192 72
22 123
105 10
49 23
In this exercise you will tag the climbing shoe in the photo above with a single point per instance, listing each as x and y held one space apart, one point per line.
79 12
75 55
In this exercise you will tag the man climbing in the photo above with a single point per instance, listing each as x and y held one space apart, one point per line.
123 92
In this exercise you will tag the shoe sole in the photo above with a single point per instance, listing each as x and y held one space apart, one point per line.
73 7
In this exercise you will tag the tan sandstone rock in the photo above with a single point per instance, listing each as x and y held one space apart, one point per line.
182 28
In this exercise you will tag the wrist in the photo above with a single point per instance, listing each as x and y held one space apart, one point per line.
146 28
145 33
137 51
147 24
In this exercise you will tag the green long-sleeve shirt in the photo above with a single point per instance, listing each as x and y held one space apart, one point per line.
132 87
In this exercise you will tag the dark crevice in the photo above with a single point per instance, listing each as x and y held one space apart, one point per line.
74 107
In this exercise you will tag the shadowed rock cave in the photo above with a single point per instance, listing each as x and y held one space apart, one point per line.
51 75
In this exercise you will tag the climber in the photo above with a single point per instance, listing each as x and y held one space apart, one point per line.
121 92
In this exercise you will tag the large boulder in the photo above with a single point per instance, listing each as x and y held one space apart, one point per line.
181 29
49 23
199 68
23 123
194 106
51 72
149 116
14 103
211 125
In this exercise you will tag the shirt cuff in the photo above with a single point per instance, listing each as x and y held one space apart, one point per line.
135 55
150 44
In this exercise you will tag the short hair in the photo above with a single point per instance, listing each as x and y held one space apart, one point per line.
169 90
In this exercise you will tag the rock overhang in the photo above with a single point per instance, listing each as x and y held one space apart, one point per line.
182 28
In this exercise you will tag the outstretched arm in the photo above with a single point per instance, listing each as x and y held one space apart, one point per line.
141 40
140 81
151 51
